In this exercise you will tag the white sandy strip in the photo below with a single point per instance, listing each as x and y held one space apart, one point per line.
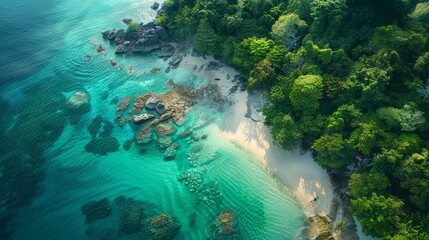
299 172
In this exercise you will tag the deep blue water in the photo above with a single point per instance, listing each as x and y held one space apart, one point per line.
46 172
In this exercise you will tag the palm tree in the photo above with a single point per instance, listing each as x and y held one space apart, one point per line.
340 226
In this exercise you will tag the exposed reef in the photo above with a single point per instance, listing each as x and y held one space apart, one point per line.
225 226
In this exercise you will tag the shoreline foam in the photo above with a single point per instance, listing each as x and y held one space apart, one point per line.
299 172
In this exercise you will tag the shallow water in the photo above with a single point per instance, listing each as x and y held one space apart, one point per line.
58 34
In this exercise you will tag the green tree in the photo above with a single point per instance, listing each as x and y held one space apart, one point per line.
233 22
343 119
206 40
332 151
366 137
276 56
259 48
327 16
340 227
368 85
290 30
415 175
364 184
262 75
285 131
379 215
306 92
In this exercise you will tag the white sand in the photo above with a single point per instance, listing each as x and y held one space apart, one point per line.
298 172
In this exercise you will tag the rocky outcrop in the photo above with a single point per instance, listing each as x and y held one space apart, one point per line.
225 226
166 51
123 47
161 108
143 39
213 66
142 117
147 44
144 136
160 227
155 6
319 227
175 61
151 103
165 142
123 104
95 210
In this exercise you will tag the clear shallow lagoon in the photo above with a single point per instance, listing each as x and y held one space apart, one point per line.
54 37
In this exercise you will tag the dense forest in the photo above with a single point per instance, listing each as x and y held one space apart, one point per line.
345 78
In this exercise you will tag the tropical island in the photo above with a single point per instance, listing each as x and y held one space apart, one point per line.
220 119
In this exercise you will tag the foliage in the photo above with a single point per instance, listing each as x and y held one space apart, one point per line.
290 30
132 26
305 94
285 131
364 184
379 215
205 39
332 151
415 175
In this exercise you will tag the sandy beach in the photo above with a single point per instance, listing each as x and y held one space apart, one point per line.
298 172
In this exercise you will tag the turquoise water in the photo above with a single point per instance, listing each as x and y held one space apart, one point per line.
47 174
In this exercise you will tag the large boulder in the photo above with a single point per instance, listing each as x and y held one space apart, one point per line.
161 32
161 108
95 210
176 60
151 103
167 51
142 117
160 227
77 105
225 226
147 44
123 47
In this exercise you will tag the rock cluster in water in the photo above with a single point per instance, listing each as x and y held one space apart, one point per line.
207 192
319 227
131 218
95 210
225 226
102 143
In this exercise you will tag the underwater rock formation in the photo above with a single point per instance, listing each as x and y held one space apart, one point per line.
131 218
144 136
160 227
94 210
101 142
102 146
225 226
207 192
170 152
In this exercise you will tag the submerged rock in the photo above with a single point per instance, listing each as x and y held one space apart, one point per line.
225 226
160 227
131 218
170 152
144 136
95 210
165 128
103 146
165 142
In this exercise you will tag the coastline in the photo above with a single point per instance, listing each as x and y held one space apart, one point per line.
299 172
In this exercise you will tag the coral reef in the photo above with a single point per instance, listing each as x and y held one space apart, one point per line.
131 218
95 210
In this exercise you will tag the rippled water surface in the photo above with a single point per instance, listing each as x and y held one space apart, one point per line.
47 174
